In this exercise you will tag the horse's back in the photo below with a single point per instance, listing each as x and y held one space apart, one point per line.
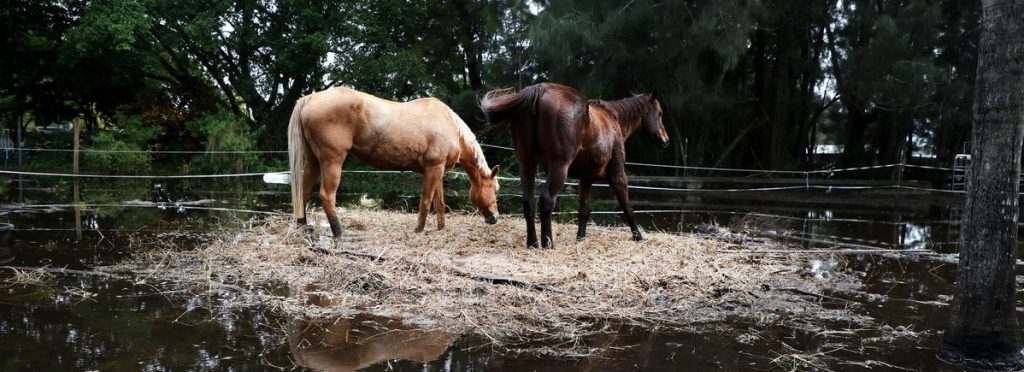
405 135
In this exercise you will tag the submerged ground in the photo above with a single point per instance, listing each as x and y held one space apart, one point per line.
138 319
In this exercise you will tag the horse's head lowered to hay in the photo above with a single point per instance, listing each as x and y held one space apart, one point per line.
483 192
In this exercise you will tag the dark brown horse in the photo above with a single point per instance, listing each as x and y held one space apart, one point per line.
555 127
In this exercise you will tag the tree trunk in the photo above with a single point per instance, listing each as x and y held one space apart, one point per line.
857 121
781 109
983 330
470 29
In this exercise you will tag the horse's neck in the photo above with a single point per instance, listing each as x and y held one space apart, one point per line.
471 156
627 125
472 159
627 118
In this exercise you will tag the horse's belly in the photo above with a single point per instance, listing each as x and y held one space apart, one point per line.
588 166
388 159
403 152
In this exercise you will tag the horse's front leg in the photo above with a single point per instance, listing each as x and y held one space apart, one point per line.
439 207
584 216
548 199
431 177
620 184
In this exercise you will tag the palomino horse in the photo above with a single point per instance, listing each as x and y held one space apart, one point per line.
554 126
423 136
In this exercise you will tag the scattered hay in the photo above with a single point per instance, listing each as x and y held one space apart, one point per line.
480 279
26 276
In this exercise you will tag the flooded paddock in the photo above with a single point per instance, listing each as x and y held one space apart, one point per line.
83 319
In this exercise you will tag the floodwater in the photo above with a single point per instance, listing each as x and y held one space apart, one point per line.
82 321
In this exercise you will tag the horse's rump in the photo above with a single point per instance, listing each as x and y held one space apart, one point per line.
501 106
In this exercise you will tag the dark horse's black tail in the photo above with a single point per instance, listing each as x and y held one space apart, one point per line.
502 106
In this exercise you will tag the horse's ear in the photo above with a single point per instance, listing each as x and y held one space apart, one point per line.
655 96
494 171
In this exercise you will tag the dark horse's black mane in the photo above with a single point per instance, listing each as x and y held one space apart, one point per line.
627 109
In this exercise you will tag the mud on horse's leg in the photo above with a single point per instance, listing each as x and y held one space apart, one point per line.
330 179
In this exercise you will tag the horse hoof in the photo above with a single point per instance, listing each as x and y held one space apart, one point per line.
580 238
638 238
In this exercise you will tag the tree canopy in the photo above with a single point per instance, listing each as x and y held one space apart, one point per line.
746 83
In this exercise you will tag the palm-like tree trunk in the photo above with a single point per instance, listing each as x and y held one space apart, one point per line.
983 329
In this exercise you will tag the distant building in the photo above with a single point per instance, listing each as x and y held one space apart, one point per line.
828 149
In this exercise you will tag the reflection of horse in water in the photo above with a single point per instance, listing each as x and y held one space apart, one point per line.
345 345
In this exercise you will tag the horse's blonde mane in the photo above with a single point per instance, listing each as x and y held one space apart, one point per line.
469 139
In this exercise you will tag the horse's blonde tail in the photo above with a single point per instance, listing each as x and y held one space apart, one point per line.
297 159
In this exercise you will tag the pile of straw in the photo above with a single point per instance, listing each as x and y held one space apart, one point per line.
473 278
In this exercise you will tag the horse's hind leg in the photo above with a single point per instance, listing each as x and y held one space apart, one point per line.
309 176
431 177
527 176
439 202
330 173
548 198
584 216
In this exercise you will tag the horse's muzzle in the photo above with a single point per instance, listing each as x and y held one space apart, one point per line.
491 219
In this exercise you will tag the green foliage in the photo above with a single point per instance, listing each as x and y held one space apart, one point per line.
116 149
222 131
117 25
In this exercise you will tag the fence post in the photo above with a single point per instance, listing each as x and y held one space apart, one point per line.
21 121
899 176
77 197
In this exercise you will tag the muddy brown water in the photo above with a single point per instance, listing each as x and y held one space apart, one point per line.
89 322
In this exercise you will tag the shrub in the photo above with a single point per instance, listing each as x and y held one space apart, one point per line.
223 131
117 146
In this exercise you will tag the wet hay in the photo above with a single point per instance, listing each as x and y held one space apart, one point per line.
479 279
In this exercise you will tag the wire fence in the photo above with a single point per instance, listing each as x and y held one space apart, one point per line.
282 176
762 171
103 151
650 165
180 206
